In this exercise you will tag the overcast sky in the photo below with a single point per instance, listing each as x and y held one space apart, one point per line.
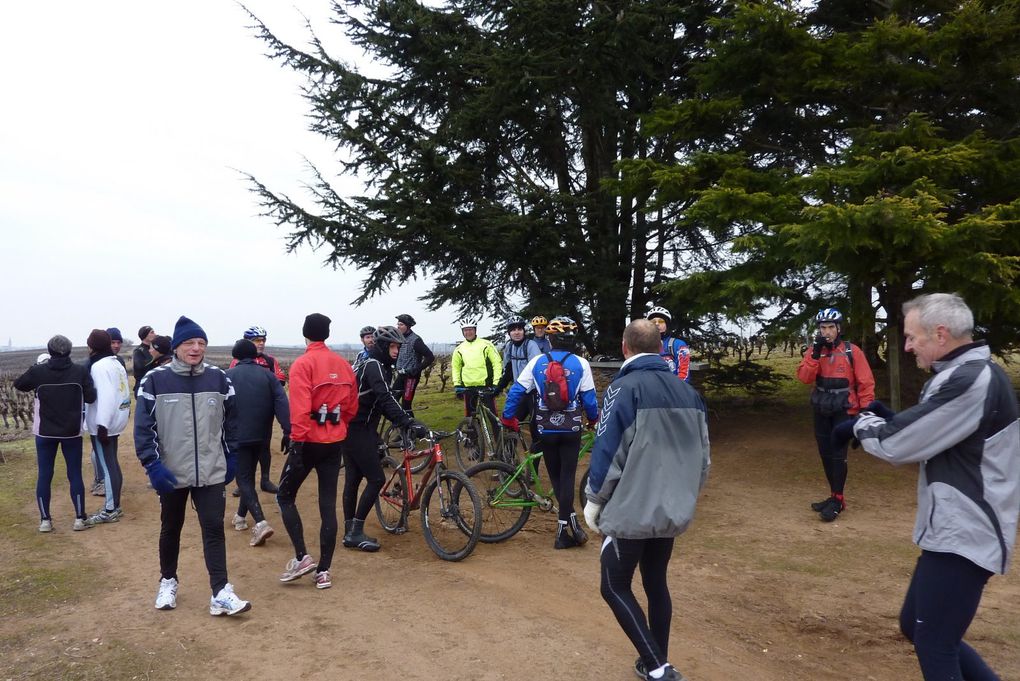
123 128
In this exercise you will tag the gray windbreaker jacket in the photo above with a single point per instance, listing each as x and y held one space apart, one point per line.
965 435
185 418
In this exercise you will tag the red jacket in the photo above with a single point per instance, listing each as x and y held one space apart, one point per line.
317 378
833 370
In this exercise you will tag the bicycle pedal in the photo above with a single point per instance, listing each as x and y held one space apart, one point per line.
400 530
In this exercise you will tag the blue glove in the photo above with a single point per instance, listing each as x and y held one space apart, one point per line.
231 467
879 409
162 479
843 433
459 390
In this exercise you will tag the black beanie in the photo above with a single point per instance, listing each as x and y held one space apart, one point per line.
144 332
99 341
162 344
59 346
316 327
244 349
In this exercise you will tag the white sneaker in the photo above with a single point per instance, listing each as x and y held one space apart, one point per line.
45 525
322 580
99 489
226 602
80 524
260 533
295 568
166 599
239 523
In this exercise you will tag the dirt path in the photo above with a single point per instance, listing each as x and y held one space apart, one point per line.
762 590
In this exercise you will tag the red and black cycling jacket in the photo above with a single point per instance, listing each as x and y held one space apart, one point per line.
270 363
835 370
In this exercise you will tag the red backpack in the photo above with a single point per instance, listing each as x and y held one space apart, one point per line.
556 394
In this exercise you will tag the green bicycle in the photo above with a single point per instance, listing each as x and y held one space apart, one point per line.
479 441
509 493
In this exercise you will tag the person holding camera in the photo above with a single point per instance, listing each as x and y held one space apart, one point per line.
843 384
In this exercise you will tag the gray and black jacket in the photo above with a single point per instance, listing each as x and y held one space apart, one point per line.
651 453
965 435
185 417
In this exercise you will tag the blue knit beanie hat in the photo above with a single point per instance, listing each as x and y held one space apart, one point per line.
185 329
115 334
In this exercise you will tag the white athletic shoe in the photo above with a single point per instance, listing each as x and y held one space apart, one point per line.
166 599
239 523
260 533
80 524
45 525
226 602
296 568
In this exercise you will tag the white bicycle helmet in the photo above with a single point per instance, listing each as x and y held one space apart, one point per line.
829 315
468 324
254 332
658 311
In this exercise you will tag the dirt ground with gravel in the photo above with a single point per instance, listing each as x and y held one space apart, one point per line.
761 589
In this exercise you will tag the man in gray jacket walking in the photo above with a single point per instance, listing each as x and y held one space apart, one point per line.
649 462
965 436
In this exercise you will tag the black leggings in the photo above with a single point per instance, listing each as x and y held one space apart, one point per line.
210 503
248 455
361 459
324 459
833 460
560 453
619 559
943 596
113 478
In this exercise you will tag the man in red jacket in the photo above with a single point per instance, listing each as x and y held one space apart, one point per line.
844 385
323 400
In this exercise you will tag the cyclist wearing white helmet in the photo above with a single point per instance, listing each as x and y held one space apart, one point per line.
562 388
257 335
476 365
674 350
413 359
843 384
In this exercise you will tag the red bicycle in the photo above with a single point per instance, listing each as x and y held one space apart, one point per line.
451 510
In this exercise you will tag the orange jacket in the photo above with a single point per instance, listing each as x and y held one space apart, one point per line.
833 370
321 377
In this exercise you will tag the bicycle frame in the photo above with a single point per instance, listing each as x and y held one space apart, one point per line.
530 465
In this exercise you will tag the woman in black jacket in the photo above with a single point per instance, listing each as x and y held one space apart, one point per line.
62 388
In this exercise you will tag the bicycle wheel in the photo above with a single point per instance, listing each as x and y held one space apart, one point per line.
468 449
451 515
505 505
581 496
391 504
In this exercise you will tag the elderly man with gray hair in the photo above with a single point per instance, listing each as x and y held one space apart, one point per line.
965 436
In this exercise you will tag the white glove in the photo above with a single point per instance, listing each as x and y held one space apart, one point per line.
591 516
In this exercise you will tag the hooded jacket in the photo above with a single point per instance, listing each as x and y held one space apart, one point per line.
375 399
965 435
112 407
62 388
515 357
651 453
258 396
185 417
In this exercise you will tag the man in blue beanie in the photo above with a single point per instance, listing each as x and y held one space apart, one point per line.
116 341
185 438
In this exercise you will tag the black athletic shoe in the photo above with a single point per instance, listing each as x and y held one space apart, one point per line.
639 669
670 673
236 492
269 487
817 506
831 510
564 540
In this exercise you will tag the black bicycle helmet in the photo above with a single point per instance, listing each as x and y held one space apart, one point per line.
385 335
366 330
406 319
516 321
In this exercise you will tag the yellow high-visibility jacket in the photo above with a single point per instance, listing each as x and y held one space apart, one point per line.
476 363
